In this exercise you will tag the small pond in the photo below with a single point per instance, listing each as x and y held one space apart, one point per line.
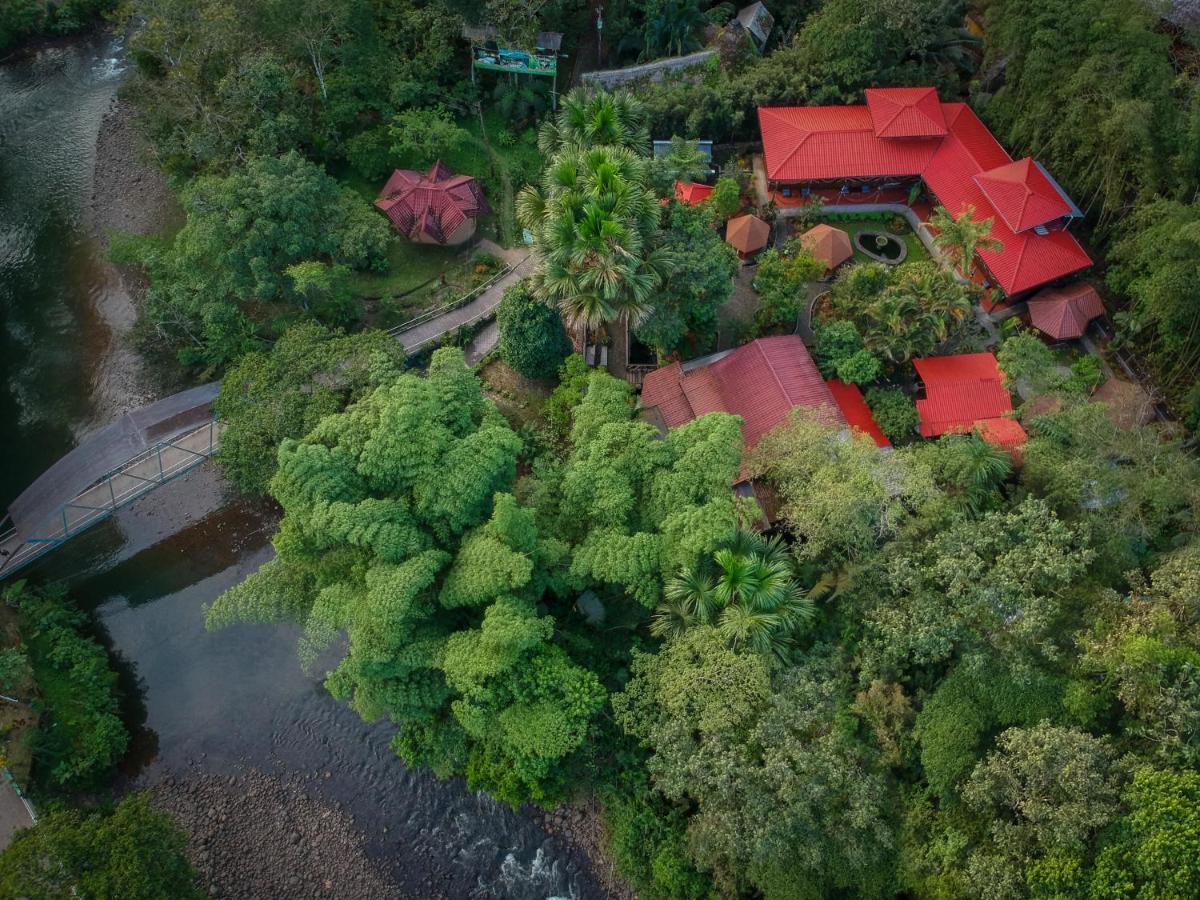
882 247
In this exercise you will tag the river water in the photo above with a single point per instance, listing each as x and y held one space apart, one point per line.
200 702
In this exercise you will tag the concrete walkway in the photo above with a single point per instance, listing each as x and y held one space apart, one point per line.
482 307
13 812
483 343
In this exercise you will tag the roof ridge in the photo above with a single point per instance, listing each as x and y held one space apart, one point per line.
804 136
783 390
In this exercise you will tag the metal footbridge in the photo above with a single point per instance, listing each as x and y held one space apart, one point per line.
121 463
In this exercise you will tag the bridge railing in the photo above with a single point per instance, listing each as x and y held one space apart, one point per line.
457 303
135 477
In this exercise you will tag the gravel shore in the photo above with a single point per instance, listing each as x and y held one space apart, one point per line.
129 194
581 827
253 836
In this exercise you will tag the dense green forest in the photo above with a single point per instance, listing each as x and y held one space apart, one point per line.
250 94
22 20
941 675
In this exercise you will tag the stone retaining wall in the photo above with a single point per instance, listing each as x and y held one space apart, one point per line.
651 71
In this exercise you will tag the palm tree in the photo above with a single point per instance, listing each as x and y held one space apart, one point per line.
976 467
595 227
961 236
674 29
753 601
588 118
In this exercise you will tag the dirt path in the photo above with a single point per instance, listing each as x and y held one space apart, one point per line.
13 812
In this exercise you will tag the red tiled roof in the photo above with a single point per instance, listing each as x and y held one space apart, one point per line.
827 244
810 143
691 193
1065 312
802 143
434 204
1002 432
761 381
960 391
858 415
906 112
747 233
1022 195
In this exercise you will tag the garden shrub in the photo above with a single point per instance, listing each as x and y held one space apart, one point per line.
894 412
532 337
862 367
80 734
834 342
573 378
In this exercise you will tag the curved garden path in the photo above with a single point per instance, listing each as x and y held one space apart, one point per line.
520 262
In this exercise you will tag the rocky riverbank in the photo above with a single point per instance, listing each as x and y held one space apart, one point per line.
129 194
255 836
581 827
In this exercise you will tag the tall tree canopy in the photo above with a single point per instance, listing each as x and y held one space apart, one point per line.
400 530
131 852
243 231
309 373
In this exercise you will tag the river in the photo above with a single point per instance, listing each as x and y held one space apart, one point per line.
201 703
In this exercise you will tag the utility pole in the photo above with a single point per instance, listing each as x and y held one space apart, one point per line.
599 33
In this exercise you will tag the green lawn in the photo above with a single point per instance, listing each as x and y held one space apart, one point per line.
411 266
867 222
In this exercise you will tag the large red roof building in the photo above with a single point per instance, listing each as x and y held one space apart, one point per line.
966 393
902 134
434 207
761 381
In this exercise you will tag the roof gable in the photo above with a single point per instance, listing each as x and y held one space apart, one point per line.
905 112
1022 195
1064 313
691 193
761 381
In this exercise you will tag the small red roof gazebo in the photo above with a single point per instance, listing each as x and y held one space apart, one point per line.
1064 313
437 207
827 245
691 193
747 234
